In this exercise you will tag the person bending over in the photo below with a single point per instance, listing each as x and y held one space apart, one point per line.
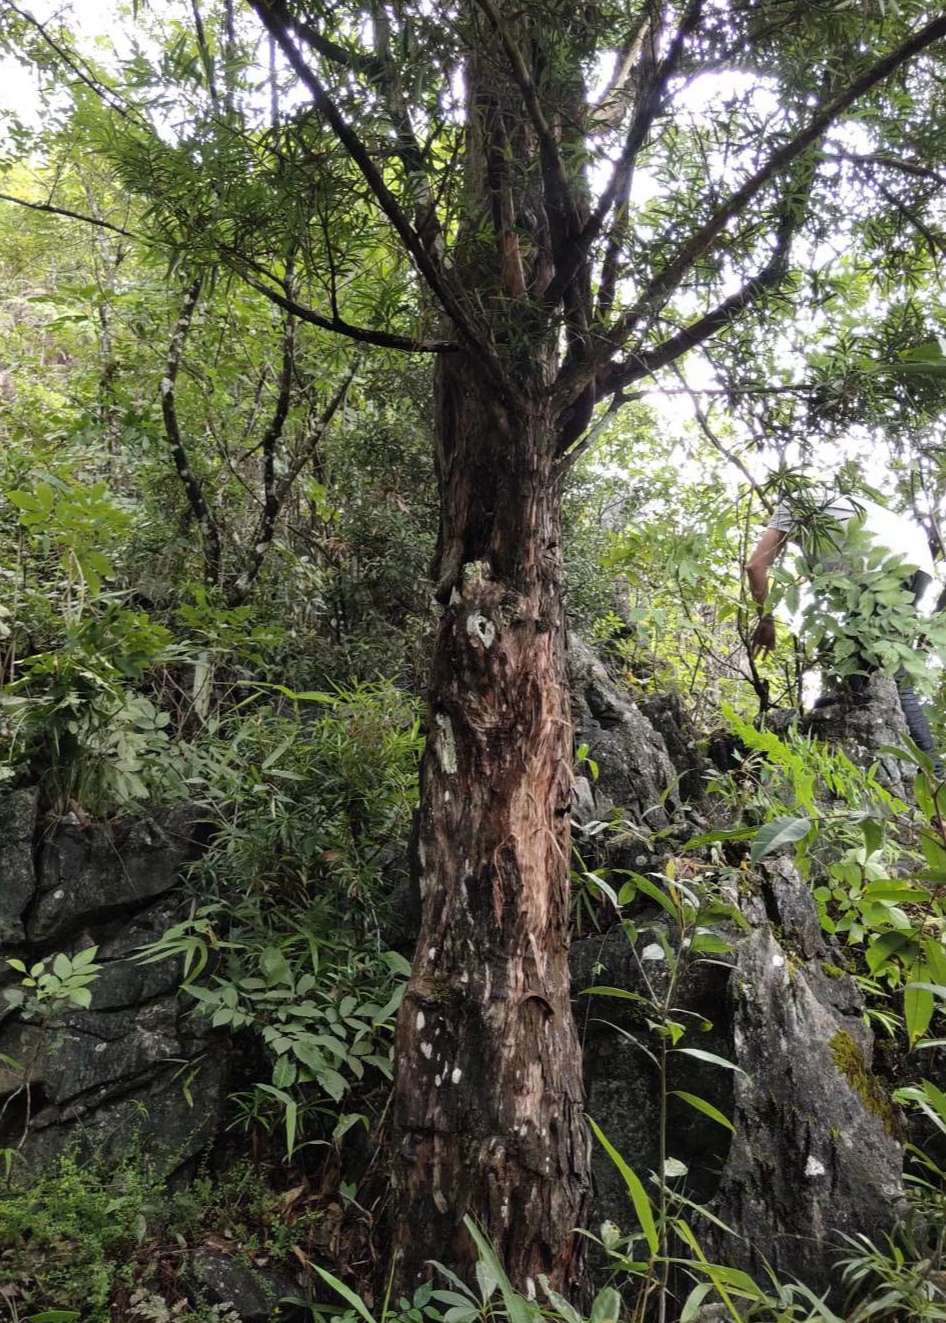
856 551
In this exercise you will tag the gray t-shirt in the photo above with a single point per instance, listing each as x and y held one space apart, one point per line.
897 534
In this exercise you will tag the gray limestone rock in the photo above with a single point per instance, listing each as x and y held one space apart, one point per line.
815 1155
634 769
89 874
173 1112
18 810
226 1280
133 1069
84 1051
816 1152
621 1076
863 730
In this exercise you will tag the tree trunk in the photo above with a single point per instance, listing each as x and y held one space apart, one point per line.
488 1102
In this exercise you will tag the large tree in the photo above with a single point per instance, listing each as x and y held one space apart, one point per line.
558 202
566 247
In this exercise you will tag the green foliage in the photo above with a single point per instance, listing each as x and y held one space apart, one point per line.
73 716
493 1298
321 1027
903 1278
859 616
874 892
88 1239
667 544
693 924
67 982
67 1235
288 950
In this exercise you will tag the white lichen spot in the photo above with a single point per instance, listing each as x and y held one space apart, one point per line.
420 1021
432 953
464 976
481 627
653 952
437 1081
100 1047
476 571
813 1167
778 960
427 1050
447 745
456 1075
167 385
446 796
58 895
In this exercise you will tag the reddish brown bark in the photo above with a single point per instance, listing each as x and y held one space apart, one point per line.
488 1103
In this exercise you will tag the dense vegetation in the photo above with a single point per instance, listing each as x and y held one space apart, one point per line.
222 481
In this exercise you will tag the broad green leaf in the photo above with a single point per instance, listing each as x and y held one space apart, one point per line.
485 1279
711 1057
561 1306
882 948
621 993
635 1189
275 966
781 831
716 837
894 893
918 1003
518 1309
606 1306
692 1305
655 893
706 1108
346 1293
935 957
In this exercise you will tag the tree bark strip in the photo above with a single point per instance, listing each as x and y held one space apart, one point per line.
488 1103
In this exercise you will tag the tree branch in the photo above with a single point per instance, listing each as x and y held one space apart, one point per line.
353 61
575 376
426 219
266 10
670 277
275 497
206 58
934 242
72 61
265 528
870 159
646 111
558 190
717 444
639 365
209 533
612 105
362 334
70 215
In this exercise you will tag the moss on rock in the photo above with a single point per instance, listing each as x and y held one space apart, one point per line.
852 1063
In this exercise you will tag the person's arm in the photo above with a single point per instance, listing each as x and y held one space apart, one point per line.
758 565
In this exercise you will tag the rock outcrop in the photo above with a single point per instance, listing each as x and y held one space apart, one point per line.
816 1152
133 1067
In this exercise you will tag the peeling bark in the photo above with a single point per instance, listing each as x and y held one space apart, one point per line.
488 1103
